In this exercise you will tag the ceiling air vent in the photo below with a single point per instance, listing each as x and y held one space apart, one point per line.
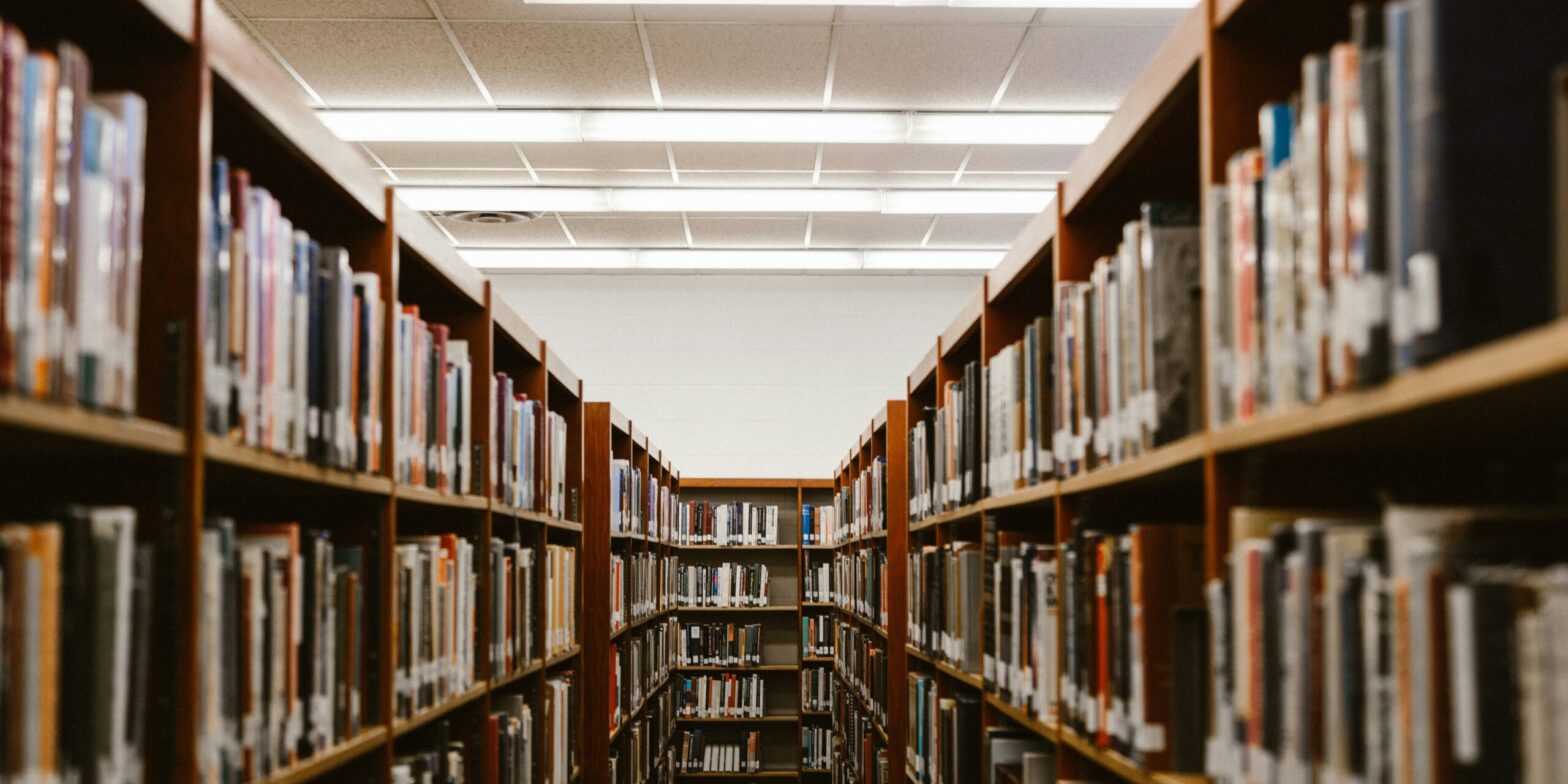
488 217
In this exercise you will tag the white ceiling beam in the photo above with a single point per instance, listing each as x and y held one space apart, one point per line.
725 200
738 259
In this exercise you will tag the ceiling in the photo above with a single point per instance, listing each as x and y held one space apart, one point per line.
507 54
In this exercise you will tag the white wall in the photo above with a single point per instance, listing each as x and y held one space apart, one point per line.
742 375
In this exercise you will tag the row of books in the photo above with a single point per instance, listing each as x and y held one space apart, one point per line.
816 636
560 599
1355 242
435 588
944 449
693 753
944 593
73 172
863 504
862 753
292 341
510 731
1128 351
638 759
1021 660
530 451
628 504
723 585
1019 411
432 427
282 632
77 608
639 662
641 585
1418 645
1018 756
817 581
446 762
816 688
720 645
861 661
1134 645
735 523
817 747
819 525
512 609
560 727
728 695
943 740
860 584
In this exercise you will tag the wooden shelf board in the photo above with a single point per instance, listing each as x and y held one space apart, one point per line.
1225 9
177 15
772 608
415 230
864 704
920 655
235 455
1123 768
1039 493
563 656
402 727
965 512
618 633
1133 121
761 774
816 660
1023 255
517 675
817 605
513 328
775 719
965 324
1022 718
559 372
746 547
754 668
329 760
80 427
924 371
967 678
1176 454
1534 355
428 497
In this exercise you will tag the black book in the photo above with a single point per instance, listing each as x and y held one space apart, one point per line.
315 444
1373 359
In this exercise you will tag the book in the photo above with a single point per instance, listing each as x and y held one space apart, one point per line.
435 598
720 645
724 584
530 466
736 523
560 599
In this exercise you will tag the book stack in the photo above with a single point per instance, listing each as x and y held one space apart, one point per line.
530 451
434 596
1414 646
725 696
1134 643
446 761
70 274
1349 246
723 585
1128 348
816 689
433 384
1018 757
1019 409
560 724
944 449
738 523
868 500
945 585
626 498
512 583
1021 662
693 753
816 636
282 640
509 731
639 663
560 599
818 525
721 645
292 340
860 584
818 582
642 584
817 746
77 598
943 742
862 663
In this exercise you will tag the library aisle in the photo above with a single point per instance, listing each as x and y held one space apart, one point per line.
1241 462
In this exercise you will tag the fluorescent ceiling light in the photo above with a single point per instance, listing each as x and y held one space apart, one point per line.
741 259
791 200
548 125
905 3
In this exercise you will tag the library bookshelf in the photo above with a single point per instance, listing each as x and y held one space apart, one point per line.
1427 433
211 93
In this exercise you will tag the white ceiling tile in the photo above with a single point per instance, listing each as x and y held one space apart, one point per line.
1018 157
922 66
872 179
746 179
1032 181
461 177
892 157
736 66
541 232
749 157
463 10
934 15
976 231
332 9
781 232
446 155
1080 68
350 63
773 14
596 155
868 231
627 232
555 64
604 177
